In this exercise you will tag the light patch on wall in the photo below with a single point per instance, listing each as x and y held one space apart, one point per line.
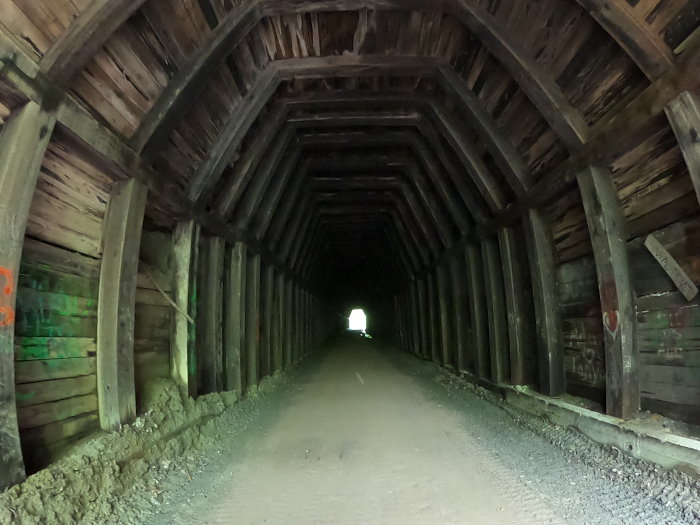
358 320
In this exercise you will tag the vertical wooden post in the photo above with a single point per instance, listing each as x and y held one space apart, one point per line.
278 328
461 311
445 299
266 298
415 318
424 315
252 321
210 335
288 323
183 361
496 308
606 225
121 236
478 308
297 325
435 325
23 142
515 304
550 344
235 317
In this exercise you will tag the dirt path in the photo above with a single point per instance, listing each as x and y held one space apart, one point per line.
365 436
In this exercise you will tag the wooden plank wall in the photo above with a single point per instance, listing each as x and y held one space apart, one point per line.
153 311
668 326
57 306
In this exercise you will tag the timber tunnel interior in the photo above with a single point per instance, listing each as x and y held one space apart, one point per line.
194 195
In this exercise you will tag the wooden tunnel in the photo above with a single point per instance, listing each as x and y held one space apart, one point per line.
195 188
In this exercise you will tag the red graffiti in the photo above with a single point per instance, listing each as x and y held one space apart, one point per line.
7 314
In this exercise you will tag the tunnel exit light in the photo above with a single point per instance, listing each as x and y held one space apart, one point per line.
358 320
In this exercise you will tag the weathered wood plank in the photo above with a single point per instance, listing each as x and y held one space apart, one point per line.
54 432
288 323
278 323
535 82
183 361
38 415
209 315
550 345
683 114
23 141
245 167
502 150
608 237
252 322
29 394
266 306
435 353
446 319
463 349
182 90
496 312
84 37
235 317
115 316
47 369
647 50
672 268
515 304
478 309
276 8
344 66
232 133
32 348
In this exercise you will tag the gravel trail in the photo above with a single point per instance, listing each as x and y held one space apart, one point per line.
364 434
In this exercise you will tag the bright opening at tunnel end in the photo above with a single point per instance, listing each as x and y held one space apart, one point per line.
358 320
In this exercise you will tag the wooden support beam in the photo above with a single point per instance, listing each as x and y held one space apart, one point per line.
446 309
258 186
505 155
266 308
343 66
273 196
209 310
304 121
460 308
121 237
84 37
232 133
183 354
235 316
243 170
683 114
181 91
276 8
532 78
423 317
516 304
633 35
252 322
23 142
545 293
415 319
478 309
278 323
470 158
496 309
434 319
288 323
606 224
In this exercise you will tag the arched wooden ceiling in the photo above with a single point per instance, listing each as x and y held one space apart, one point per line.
412 125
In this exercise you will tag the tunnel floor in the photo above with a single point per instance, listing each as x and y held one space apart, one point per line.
364 434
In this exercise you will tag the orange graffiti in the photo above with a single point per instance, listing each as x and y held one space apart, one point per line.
7 314
8 275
